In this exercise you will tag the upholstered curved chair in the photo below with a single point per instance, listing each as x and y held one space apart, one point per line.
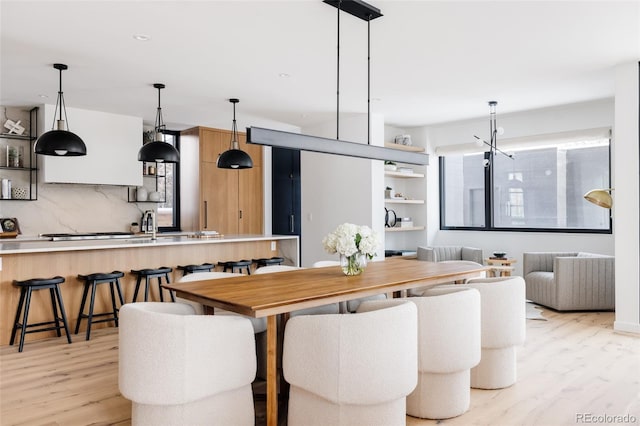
325 263
352 369
570 281
331 308
448 347
351 305
178 368
442 253
259 324
457 254
503 329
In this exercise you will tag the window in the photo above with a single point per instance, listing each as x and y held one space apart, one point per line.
540 189
169 211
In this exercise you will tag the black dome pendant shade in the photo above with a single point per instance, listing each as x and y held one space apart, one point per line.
159 151
60 142
234 158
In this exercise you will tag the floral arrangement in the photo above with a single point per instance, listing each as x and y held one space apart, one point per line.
354 243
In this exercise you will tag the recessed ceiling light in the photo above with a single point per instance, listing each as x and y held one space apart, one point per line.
141 37
43 96
376 99
284 75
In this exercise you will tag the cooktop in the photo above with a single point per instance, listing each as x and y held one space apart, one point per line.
87 236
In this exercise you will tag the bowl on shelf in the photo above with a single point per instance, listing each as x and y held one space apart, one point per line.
499 254
154 196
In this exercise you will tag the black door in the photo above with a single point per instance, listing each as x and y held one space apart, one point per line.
285 181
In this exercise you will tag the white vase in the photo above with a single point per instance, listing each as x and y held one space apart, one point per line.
141 194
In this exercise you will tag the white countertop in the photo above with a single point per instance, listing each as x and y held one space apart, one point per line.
43 245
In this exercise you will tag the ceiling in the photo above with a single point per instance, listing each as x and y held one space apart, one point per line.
431 61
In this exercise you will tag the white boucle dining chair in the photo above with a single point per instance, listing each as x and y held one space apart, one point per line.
331 308
351 305
179 368
352 369
448 347
259 324
503 329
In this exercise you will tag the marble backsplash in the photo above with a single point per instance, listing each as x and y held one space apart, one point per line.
64 208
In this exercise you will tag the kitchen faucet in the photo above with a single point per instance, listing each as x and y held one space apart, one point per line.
149 223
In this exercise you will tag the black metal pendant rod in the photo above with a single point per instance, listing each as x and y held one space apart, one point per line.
368 79
338 75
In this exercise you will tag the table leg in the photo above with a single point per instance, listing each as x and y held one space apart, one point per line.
272 377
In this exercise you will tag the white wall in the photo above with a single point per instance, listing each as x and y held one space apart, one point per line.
112 140
548 120
626 204
337 189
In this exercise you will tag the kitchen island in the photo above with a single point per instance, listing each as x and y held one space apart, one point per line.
26 258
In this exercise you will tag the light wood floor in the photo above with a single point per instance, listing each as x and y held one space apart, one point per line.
571 364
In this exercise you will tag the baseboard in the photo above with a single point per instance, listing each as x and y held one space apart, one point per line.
628 327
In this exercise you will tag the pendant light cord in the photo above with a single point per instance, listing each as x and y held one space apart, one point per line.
369 79
60 105
159 121
338 77
234 130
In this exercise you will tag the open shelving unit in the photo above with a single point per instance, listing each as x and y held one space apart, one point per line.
395 178
25 174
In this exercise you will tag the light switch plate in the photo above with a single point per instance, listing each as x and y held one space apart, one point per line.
273 246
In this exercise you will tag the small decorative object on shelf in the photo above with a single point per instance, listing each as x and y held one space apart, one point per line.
403 140
390 166
141 193
19 193
355 244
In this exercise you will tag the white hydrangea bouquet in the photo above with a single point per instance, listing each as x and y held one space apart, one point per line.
355 244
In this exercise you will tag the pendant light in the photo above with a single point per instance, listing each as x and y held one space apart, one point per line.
58 141
493 131
159 151
234 158
288 140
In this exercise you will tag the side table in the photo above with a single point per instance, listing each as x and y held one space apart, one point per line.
500 267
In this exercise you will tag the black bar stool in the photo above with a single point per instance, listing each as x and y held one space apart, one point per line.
26 289
91 281
148 274
263 261
236 266
190 269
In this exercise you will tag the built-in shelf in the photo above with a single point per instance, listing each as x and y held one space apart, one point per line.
405 228
401 201
404 147
23 178
403 175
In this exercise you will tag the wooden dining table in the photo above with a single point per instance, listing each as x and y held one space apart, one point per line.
277 294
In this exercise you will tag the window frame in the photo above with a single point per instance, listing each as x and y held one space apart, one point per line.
489 205
176 188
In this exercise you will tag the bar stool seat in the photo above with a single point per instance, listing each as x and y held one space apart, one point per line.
236 266
91 281
263 261
26 289
190 269
158 273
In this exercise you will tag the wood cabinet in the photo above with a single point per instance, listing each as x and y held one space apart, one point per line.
228 201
